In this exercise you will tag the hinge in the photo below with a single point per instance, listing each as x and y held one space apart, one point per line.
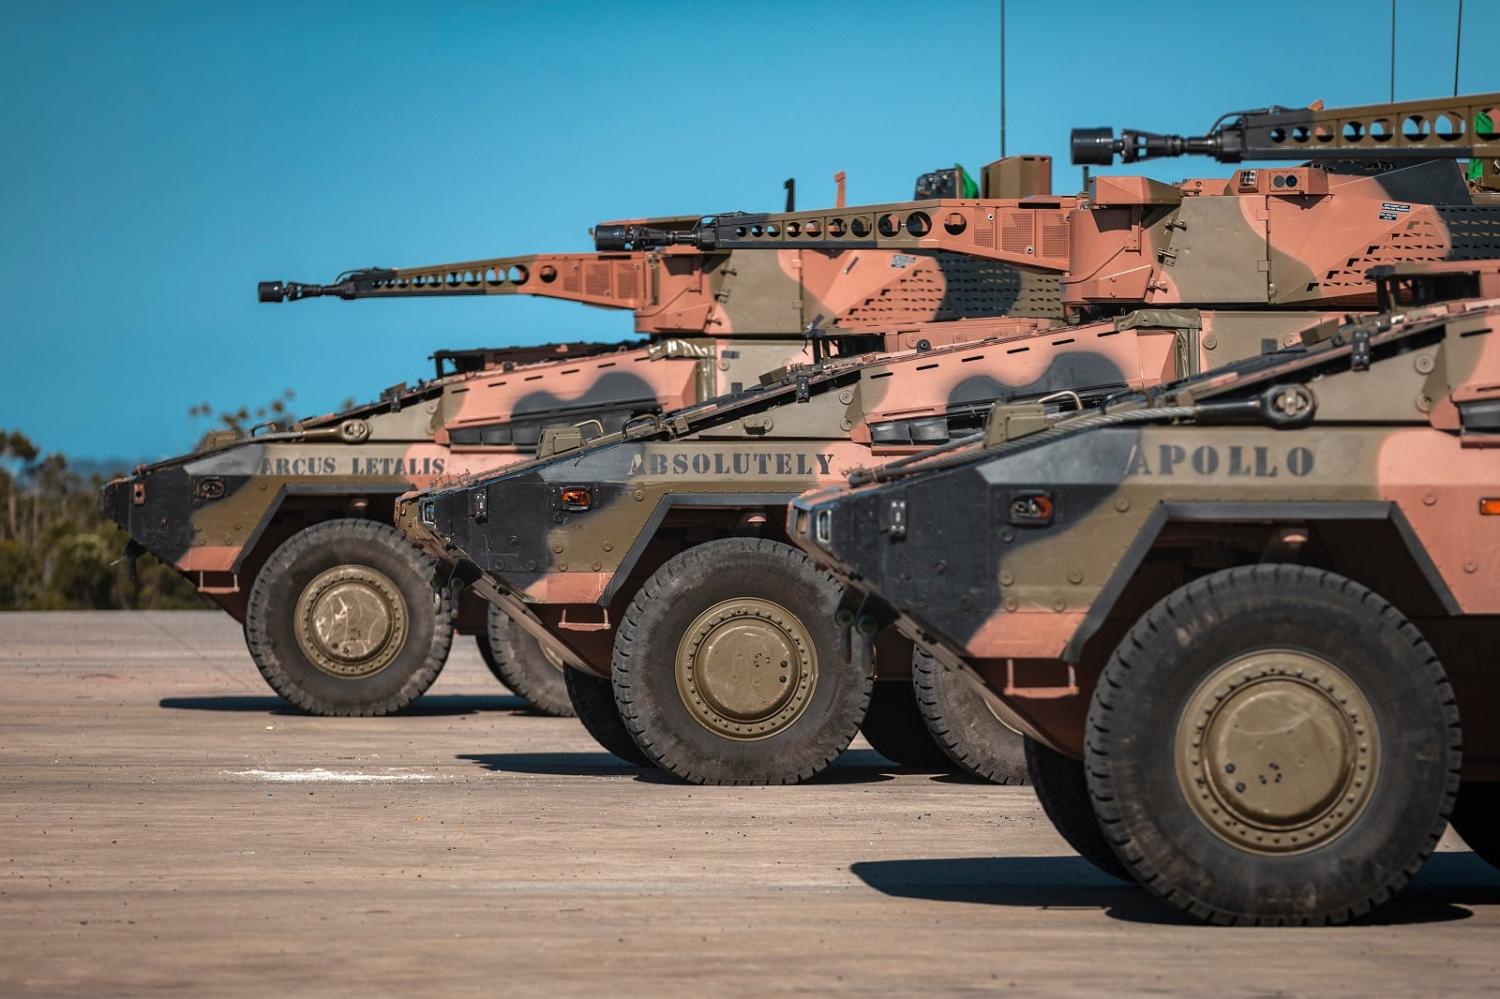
894 521
1359 351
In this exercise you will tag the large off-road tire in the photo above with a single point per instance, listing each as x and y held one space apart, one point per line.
593 701
894 726
482 643
729 668
1063 789
343 620
1476 817
517 660
961 722
1273 745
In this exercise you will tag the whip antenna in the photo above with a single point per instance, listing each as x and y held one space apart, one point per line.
1458 45
1002 79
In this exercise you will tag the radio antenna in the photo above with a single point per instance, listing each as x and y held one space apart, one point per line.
1458 44
1393 51
1002 79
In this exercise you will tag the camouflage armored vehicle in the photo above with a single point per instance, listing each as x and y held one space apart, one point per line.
1238 618
666 516
289 530
1268 239
589 546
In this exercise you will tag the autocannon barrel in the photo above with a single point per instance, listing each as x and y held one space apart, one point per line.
1458 127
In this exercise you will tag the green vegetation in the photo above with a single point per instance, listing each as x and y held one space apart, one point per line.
239 420
57 552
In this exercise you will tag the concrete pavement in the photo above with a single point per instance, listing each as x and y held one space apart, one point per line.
166 824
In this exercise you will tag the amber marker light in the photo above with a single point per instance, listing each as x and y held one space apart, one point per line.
576 498
1489 506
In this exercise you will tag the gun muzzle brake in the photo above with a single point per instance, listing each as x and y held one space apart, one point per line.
1099 146
639 237
291 291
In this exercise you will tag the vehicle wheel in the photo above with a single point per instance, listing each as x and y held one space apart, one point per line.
482 642
593 702
343 620
1063 789
722 682
963 724
1474 818
894 726
520 662
1273 744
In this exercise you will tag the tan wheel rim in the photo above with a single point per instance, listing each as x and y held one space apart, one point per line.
351 621
1278 752
746 668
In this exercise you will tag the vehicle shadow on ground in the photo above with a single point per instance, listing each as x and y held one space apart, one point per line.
431 704
599 764
854 766
1444 889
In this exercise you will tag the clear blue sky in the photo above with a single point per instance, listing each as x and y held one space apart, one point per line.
158 158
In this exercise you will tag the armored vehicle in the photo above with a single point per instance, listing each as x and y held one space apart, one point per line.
655 555
1238 618
289 530
613 583
1264 240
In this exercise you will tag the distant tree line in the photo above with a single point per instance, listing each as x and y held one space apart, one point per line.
58 552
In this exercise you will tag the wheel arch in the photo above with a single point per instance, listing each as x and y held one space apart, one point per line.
731 503
1399 568
324 502
295 508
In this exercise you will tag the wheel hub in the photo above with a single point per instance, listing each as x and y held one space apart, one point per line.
1277 751
351 621
746 668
